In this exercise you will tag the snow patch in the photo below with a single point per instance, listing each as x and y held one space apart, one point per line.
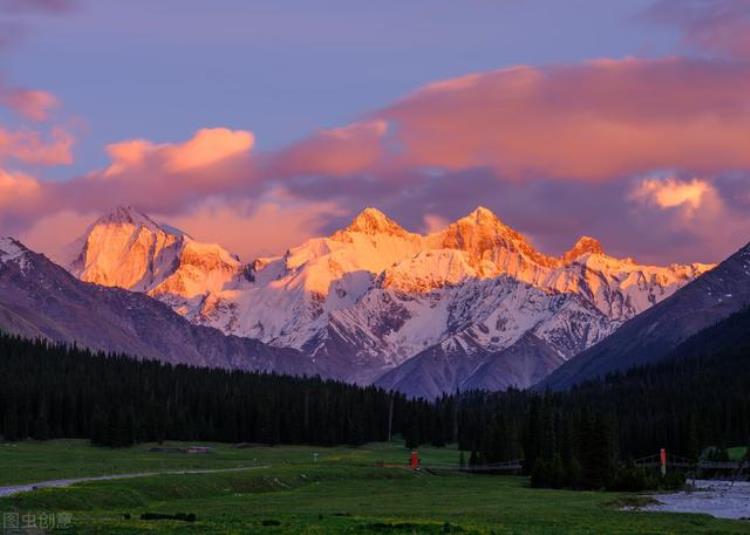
11 250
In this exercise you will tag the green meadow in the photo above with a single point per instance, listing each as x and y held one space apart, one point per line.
310 490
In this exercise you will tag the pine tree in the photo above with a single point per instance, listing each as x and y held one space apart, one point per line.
533 442
10 422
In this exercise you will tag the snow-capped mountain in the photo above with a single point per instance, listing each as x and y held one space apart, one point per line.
373 295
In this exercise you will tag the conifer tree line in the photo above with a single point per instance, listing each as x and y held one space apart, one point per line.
52 391
581 438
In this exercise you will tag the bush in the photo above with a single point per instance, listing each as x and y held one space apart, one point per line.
672 481
549 474
539 474
575 474
715 454
627 478
632 479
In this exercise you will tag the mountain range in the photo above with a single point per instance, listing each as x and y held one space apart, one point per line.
474 305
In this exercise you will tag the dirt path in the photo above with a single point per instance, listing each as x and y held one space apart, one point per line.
55 483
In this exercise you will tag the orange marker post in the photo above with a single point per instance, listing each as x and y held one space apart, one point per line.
414 460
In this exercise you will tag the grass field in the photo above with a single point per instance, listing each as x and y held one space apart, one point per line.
287 492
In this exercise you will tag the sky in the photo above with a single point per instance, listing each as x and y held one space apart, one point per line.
260 124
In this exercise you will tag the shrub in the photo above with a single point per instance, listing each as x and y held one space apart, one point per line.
672 481
631 478
189 517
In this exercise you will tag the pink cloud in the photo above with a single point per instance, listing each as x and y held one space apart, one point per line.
690 195
17 189
207 147
30 147
335 152
162 178
29 103
595 121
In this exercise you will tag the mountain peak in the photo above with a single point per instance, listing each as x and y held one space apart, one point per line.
129 216
373 221
482 216
585 245
483 222
486 238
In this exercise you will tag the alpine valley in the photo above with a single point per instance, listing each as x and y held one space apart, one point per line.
472 306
